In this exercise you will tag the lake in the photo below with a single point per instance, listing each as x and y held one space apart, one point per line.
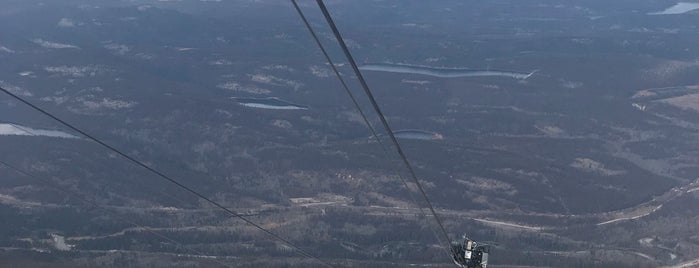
442 72
269 103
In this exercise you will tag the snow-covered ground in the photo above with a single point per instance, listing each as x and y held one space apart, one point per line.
49 44
679 8
7 129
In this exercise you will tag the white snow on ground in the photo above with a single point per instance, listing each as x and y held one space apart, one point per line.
247 89
646 242
639 106
645 256
273 107
15 89
571 84
107 103
685 102
220 62
48 44
507 224
74 71
631 218
589 165
6 50
26 73
59 242
550 130
65 23
417 82
145 56
7 129
282 124
56 99
669 69
274 81
278 67
319 71
118 49
679 8
687 264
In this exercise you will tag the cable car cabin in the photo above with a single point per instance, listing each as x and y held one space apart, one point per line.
470 254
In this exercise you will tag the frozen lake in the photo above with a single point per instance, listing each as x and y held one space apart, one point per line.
7 129
442 72
679 8
269 103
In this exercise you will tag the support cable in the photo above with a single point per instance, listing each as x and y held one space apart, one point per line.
361 113
385 124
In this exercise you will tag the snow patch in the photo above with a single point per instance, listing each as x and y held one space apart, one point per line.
118 49
234 86
7 129
319 71
274 81
417 82
639 106
550 130
220 62
508 224
571 84
278 67
107 103
589 165
6 50
15 89
272 107
679 8
59 242
65 23
686 102
669 69
74 71
49 44
485 184
631 218
646 242
284 124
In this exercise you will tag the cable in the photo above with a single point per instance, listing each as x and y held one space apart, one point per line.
362 81
96 205
359 109
168 178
